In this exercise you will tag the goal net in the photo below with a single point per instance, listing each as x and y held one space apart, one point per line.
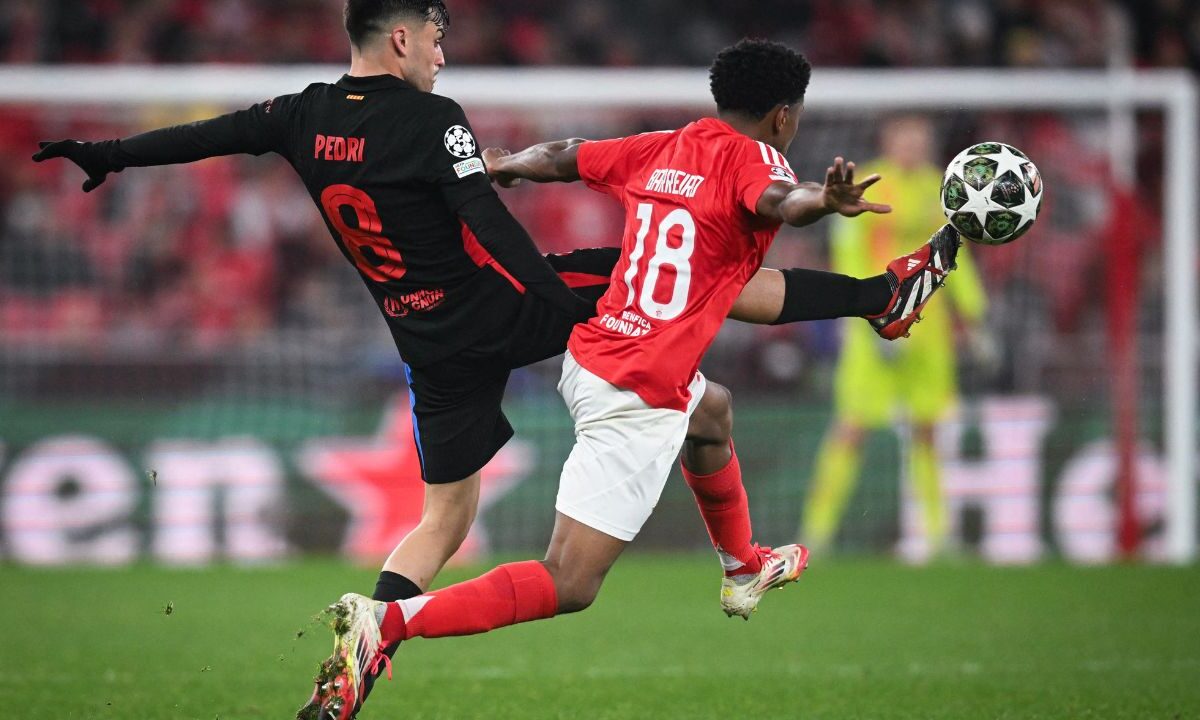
189 370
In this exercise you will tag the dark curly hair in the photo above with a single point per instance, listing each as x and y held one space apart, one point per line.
365 18
754 76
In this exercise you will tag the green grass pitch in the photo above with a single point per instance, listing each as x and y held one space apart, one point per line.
854 639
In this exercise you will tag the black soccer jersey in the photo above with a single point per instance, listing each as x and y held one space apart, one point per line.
398 177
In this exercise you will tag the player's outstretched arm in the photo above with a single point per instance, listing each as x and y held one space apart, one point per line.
257 130
549 162
806 203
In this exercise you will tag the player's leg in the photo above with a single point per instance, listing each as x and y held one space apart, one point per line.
776 297
714 475
446 517
892 302
610 483
367 632
578 559
771 297
458 427
835 473
711 469
928 377
925 472
609 486
864 393
587 271
567 581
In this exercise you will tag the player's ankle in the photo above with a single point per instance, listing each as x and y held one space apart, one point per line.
392 626
876 296
751 564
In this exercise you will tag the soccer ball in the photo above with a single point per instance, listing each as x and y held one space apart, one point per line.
991 193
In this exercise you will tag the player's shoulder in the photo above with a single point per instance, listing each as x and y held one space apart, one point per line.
754 154
289 100
313 96
639 149
440 106
313 90
655 142
651 138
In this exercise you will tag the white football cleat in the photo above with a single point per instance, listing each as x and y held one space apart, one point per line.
740 594
357 655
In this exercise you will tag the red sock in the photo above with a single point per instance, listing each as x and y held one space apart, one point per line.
726 511
507 595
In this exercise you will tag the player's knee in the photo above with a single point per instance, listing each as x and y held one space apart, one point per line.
576 597
712 422
576 589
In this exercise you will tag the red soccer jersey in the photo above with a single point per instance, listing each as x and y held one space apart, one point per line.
692 242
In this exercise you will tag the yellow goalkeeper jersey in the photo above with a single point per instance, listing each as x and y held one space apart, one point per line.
917 373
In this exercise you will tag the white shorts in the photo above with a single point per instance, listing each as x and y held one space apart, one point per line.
623 453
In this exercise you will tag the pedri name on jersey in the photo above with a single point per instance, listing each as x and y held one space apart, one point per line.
674 182
339 149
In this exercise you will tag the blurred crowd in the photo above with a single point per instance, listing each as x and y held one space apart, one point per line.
874 33
195 257
232 251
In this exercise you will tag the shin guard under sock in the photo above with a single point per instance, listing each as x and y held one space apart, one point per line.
507 595
726 512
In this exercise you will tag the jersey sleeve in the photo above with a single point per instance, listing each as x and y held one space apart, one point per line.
605 165
259 129
452 155
763 166
453 163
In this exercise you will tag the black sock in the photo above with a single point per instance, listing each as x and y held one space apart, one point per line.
389 588
818 295
392 586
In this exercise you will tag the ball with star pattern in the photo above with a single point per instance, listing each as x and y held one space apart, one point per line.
992 193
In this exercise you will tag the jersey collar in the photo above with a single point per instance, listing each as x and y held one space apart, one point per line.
372 82
717 124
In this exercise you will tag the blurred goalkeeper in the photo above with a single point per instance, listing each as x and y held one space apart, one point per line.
875 379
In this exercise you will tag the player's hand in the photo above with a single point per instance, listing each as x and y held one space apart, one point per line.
82 154
842 196
493 161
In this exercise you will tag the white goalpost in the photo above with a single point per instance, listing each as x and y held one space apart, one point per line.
1174 93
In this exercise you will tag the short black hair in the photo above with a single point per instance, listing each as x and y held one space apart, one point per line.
754 76
365 18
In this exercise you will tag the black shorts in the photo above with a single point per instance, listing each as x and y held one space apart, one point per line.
458 424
